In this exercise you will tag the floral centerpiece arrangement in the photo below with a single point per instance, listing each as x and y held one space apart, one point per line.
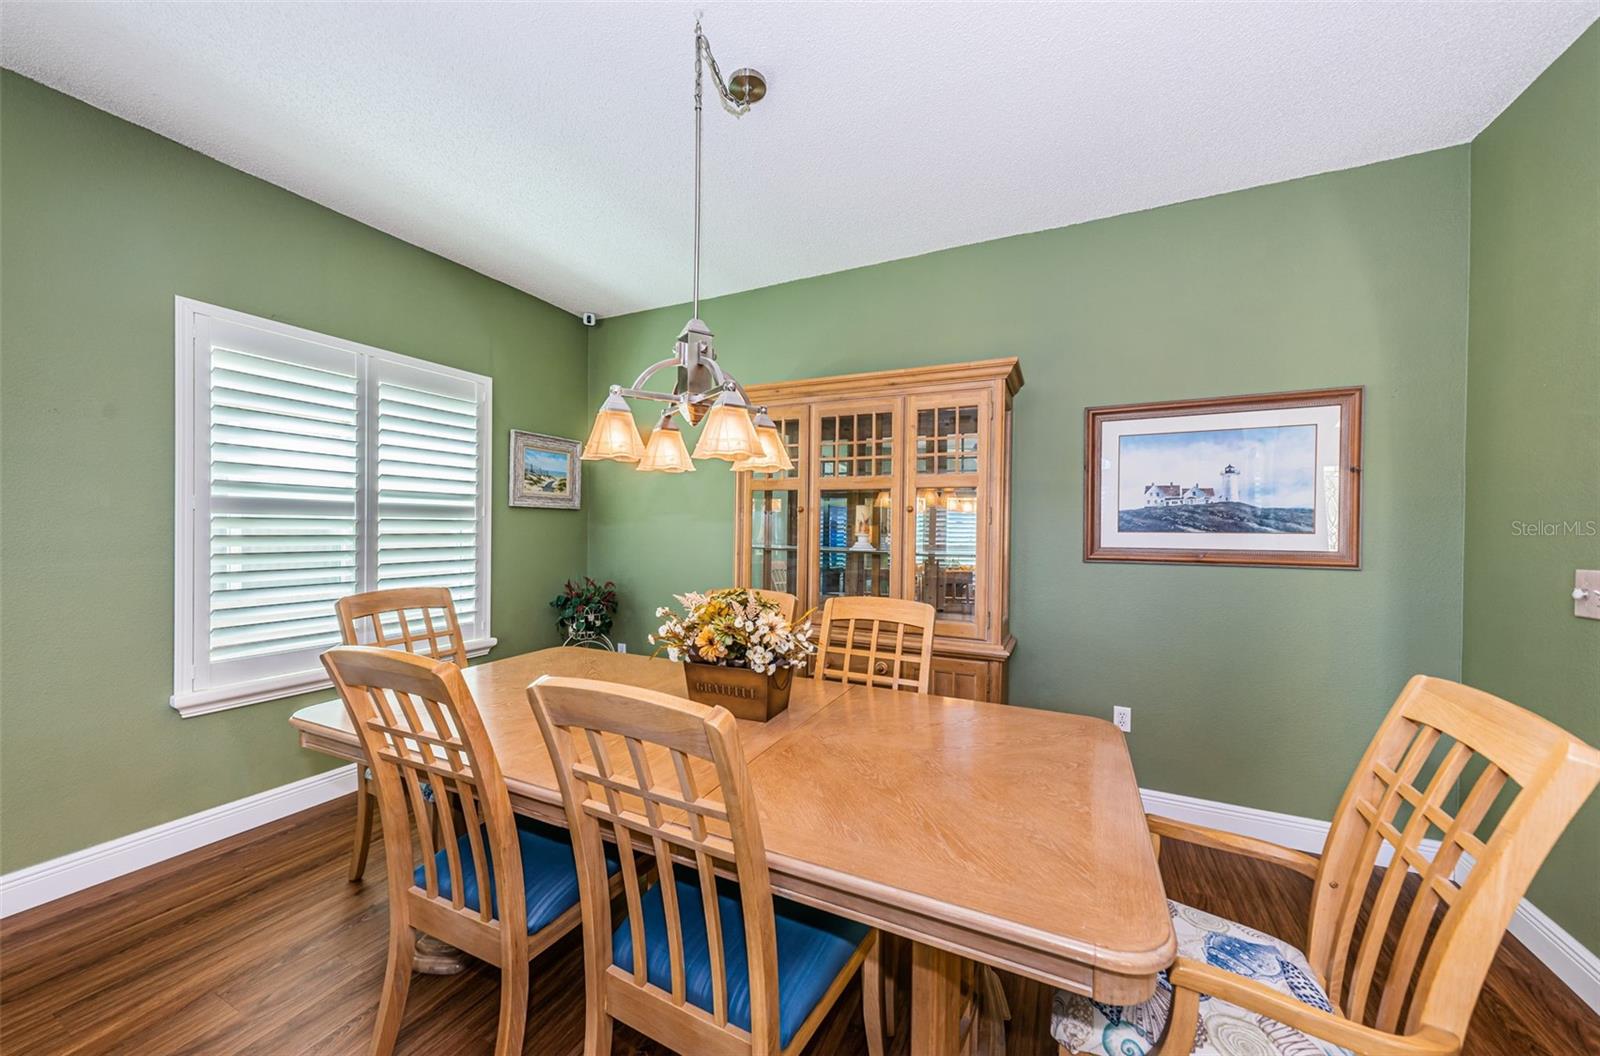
739 649
585 612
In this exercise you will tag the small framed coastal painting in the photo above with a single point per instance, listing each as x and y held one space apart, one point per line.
1240 480
545 471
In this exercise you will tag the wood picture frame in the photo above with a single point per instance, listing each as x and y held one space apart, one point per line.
545 472
1300 451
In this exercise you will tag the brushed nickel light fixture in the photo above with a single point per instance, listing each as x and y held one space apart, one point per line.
702 390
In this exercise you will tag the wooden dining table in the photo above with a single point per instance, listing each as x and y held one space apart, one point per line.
1006 836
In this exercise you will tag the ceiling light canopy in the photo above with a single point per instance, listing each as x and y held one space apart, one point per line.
702 389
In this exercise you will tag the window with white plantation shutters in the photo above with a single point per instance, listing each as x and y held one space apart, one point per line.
310 468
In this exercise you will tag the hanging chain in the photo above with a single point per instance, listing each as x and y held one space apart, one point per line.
703 47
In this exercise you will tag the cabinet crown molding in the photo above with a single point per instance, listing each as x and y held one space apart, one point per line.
1008 369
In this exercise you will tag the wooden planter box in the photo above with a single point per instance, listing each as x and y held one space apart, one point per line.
743 692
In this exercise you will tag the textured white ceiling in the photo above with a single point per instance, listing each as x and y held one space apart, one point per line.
549 145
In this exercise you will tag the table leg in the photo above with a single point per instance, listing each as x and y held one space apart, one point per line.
935 1001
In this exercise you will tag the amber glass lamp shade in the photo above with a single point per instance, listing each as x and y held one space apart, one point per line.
664 452
727 432
614 436
774 456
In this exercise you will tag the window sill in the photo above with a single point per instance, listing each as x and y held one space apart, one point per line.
224 698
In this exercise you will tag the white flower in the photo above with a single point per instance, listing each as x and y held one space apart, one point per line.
673 654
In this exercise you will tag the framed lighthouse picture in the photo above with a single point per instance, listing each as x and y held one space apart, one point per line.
1236 480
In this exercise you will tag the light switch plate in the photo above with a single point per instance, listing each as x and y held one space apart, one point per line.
1587 606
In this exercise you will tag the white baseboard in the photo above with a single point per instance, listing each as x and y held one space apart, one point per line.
58 877
1575 964
1291 830
1571 960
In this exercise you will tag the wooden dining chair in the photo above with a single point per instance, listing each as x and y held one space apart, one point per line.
882 642
419 620
704 963
1381 973
876 642
421 731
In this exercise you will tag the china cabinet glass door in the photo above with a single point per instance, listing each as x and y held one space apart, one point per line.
948 517
855 482
775 514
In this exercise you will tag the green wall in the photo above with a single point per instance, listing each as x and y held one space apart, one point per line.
1252 686
104 223
1533 430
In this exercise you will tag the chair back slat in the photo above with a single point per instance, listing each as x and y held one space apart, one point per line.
1377 810
1430 894
705 870
1382 909
430 757
612 789
419 620
631 763
885 642
1439 933
662 854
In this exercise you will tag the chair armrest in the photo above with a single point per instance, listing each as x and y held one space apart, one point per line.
1301 862
1200 978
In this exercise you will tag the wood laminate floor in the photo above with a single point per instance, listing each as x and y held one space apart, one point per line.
258 945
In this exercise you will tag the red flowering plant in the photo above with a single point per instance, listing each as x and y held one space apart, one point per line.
586 610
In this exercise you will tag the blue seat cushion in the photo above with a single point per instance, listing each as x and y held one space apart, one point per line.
549 875
813 948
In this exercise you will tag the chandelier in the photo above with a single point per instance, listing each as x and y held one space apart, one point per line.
702 391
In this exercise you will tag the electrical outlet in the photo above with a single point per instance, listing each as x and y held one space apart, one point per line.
1123 717
622 647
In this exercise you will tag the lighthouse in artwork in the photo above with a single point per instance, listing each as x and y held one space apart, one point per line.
1229 491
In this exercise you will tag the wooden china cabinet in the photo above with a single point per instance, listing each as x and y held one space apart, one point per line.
901 489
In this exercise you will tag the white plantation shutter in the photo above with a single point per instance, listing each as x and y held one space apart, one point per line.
429 481
285 491
310 468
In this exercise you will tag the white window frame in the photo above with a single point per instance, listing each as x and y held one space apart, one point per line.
191 514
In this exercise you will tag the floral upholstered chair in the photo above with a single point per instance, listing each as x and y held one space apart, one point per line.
1086 1026
1237 992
